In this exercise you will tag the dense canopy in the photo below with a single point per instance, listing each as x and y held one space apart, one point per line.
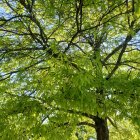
69 69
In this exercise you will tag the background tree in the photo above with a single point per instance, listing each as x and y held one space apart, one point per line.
68 67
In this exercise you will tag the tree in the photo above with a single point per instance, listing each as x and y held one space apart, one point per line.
68 67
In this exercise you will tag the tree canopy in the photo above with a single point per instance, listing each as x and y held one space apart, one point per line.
69 68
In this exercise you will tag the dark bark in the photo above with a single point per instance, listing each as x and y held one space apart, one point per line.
101 128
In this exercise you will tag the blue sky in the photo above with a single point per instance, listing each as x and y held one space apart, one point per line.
2 12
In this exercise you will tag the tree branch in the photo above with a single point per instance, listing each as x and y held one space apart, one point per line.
111 121
86 123
123 44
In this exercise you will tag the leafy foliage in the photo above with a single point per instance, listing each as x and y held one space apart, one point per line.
65 64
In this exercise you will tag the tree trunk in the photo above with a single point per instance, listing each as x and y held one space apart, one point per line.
101 128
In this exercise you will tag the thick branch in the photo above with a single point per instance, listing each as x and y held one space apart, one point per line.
86 123
118 62
123 44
